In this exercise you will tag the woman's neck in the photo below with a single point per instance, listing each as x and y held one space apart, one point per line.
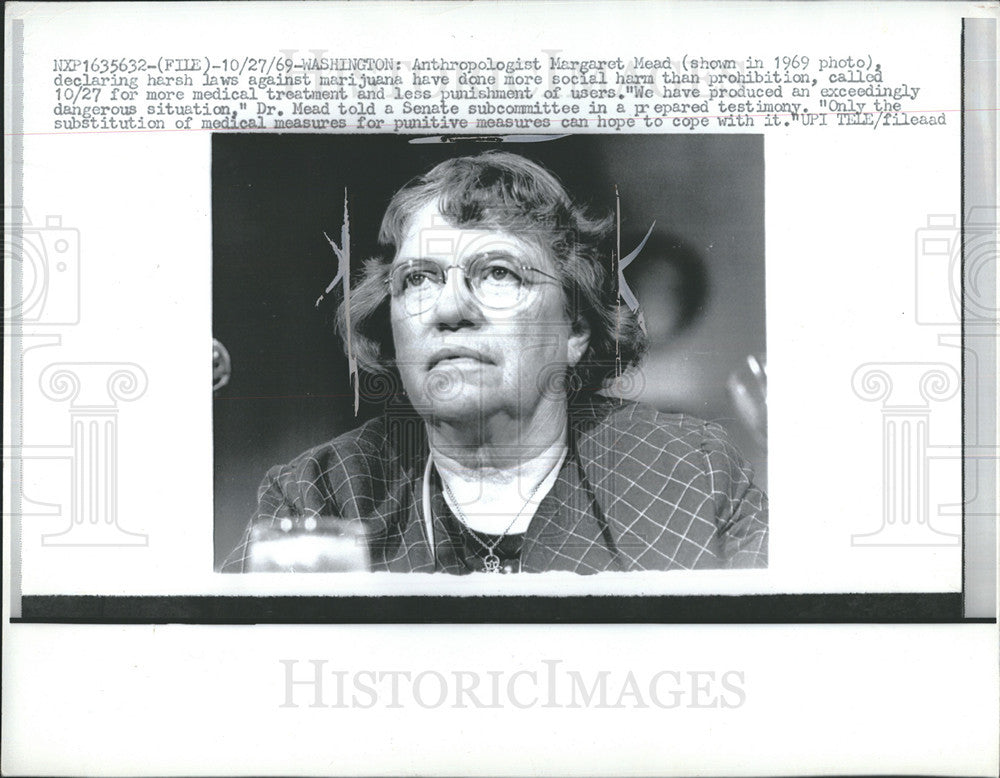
530 467
499 500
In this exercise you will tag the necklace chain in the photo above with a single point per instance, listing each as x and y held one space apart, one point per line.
491 563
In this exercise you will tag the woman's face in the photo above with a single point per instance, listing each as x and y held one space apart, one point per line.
462 360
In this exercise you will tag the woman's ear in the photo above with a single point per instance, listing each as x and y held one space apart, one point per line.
579 339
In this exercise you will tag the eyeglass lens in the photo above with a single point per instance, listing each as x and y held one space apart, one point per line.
495 281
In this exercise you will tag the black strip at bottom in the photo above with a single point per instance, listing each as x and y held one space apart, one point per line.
748 609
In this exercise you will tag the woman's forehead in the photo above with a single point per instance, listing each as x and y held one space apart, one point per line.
429 233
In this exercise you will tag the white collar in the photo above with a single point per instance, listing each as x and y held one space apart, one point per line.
552 458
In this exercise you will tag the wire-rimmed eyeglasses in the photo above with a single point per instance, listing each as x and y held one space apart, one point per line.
497 281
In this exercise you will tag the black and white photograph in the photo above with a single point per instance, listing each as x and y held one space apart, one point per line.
522 354
597 388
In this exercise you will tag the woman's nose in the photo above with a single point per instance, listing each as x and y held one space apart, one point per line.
456 303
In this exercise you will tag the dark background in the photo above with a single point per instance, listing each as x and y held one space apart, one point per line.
700 279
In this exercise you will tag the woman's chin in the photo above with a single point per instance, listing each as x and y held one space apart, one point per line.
468 404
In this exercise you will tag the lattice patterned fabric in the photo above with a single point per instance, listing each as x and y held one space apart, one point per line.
640 490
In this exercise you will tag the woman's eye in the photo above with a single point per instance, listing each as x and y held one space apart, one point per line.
501 274
416 278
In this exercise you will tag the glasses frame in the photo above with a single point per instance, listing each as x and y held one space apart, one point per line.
520 266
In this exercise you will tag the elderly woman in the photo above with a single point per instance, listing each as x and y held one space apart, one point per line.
492 321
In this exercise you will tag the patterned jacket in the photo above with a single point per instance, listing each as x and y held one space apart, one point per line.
639 490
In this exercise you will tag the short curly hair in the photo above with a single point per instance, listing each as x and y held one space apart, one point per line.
504 191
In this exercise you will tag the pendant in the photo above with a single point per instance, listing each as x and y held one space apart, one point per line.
491 564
